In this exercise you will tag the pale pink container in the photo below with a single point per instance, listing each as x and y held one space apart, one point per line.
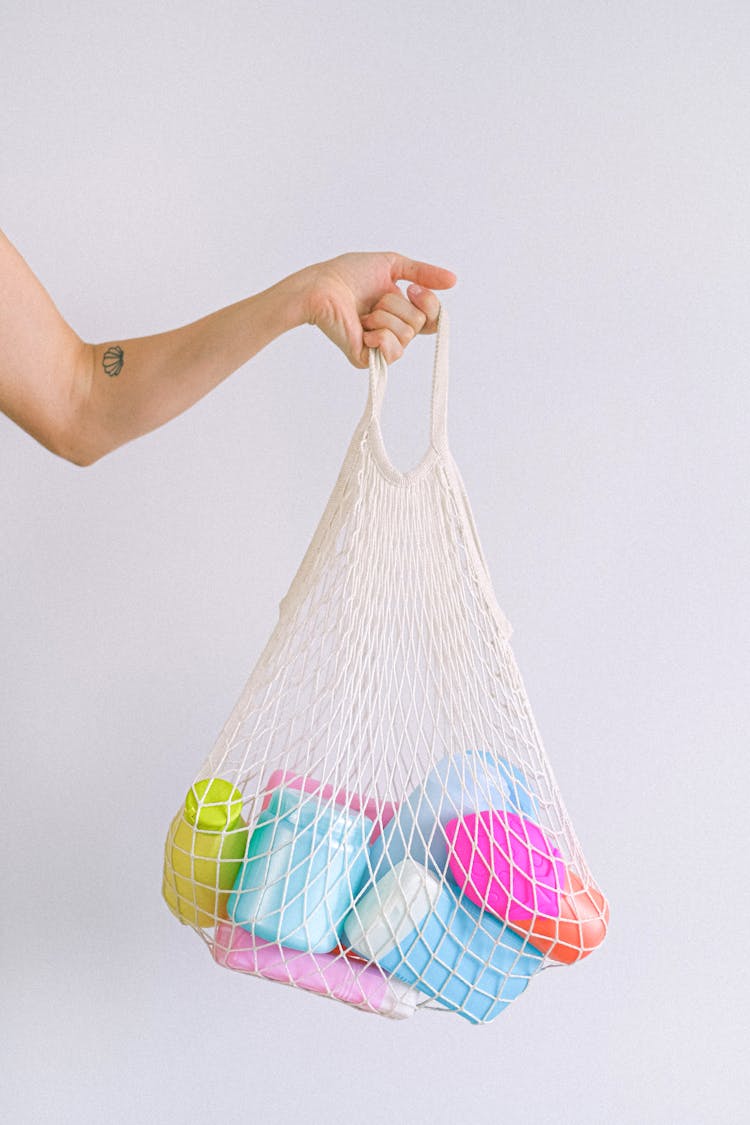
328 974
380 812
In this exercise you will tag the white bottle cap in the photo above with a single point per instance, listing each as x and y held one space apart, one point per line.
391 909
399 1001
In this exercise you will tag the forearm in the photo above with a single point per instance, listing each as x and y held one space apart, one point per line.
135 385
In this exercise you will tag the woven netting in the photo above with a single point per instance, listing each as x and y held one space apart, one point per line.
378 821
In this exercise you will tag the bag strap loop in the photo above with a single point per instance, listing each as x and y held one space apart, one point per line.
439 402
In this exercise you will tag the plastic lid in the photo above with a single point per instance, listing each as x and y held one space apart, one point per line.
213 804
400 1000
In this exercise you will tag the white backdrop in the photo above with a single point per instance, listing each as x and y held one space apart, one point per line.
583 168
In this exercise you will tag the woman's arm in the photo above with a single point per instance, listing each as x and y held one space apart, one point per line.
133 386
83 400
44 365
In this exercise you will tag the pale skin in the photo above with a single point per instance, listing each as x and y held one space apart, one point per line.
82 400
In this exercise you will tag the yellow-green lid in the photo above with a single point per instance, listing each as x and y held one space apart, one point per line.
213 804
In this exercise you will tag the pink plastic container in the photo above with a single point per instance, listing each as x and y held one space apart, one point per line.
378 811
328 974
506 864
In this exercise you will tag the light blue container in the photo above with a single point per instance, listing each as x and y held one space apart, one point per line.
434 939
305 863
457 785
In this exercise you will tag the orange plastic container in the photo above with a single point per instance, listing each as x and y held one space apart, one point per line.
579 929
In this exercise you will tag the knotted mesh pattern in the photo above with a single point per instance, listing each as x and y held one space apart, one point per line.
378 821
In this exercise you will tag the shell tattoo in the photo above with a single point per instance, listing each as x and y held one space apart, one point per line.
113 360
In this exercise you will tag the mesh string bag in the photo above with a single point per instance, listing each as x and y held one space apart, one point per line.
378 821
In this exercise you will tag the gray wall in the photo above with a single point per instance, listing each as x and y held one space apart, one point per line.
583 168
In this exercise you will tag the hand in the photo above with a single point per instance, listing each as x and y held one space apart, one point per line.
355 301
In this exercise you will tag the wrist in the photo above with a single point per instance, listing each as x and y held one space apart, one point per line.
292 302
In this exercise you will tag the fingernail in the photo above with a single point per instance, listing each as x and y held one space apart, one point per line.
416 290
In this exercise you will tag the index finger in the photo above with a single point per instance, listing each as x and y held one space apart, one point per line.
421 273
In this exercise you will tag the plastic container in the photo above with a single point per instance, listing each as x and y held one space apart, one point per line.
580 928
363 986
458 784
305 863
204 850
440 943
379 812
505 864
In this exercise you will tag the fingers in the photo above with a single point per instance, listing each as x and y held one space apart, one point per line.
429 276
391 332
389 342
427 303
395 321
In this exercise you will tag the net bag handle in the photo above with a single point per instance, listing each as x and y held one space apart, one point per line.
438 451
439 402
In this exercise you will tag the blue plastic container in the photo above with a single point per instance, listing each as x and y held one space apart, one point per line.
457 785
435 939
305 863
